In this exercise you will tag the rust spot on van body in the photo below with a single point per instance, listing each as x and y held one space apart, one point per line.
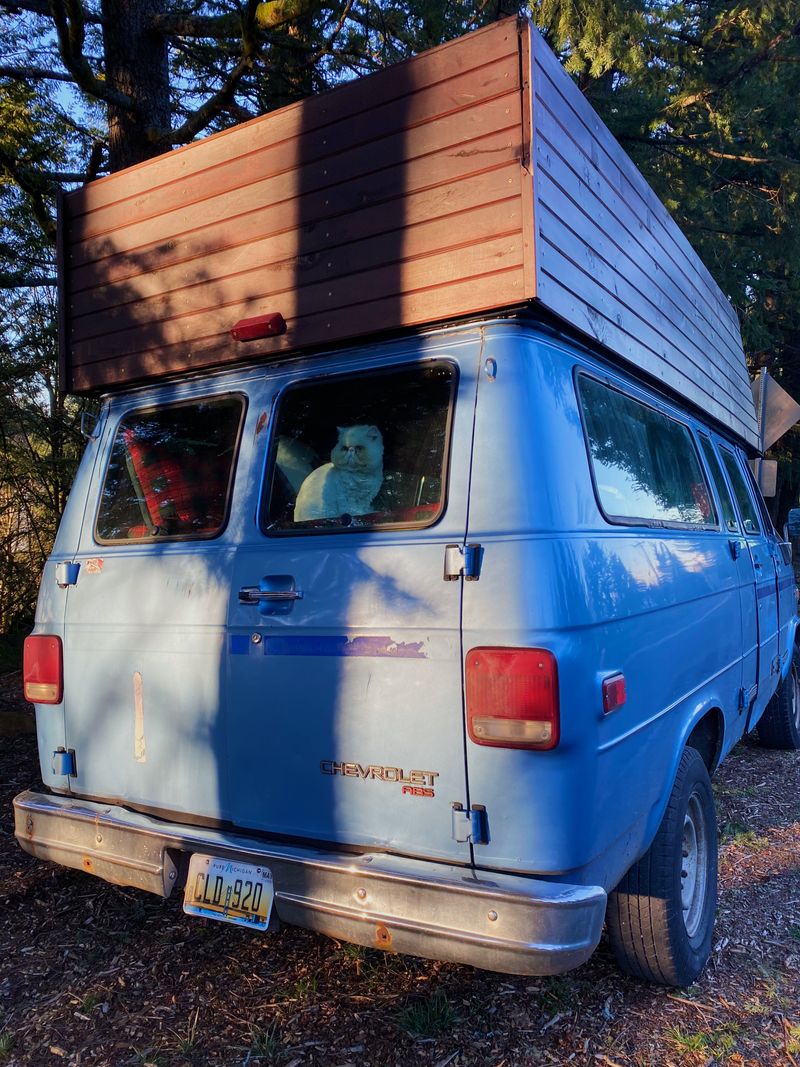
383 938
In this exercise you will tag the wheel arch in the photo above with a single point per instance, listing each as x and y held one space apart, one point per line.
704 730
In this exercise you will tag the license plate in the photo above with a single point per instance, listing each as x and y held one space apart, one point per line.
240 893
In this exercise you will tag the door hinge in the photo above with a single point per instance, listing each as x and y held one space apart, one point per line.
67 574
470 824
462 560
64 762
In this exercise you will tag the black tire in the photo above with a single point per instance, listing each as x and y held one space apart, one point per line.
779 726
661 916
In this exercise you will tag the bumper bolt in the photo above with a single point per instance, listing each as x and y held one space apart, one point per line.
361 894
492 916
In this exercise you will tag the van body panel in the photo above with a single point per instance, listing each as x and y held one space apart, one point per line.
51 607
605 598
50 725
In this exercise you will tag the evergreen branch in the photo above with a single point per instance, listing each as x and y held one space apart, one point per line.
34 7
697 144
66 176
10 281
204 115
35 188
69 19
213 27
216 27
326 49
748 65
33 73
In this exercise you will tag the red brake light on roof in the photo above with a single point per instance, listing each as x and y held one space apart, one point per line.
512 698
259 326
42 669
614 693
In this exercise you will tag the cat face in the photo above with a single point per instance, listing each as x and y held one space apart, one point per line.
359 448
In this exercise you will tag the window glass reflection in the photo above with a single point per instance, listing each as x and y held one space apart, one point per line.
645 464
170 472
365 451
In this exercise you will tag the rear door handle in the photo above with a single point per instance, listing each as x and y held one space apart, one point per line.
252 594
275 594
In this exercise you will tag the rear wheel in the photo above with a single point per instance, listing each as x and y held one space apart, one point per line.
661 916
779 726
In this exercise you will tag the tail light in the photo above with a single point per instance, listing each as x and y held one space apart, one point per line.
42 669
512 697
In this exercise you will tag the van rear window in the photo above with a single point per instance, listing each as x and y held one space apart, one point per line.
356 452
170 472
645 466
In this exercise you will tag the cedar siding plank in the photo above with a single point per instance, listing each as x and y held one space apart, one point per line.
263 266
598 155
558 254
446 198
449 147
611 260
180 322
660 320
576 308
330 155
362 319
357 98
605 220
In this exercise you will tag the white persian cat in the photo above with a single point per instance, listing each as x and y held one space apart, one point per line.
350 482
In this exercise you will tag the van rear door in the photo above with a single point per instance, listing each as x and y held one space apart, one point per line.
345 713
145 621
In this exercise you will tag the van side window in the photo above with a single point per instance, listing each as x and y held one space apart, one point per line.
728 511
356 452
645 465
767 524
170 472
743 499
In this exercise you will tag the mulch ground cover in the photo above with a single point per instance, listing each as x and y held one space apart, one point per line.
92 974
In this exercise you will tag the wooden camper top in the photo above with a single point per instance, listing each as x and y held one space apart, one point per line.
471 179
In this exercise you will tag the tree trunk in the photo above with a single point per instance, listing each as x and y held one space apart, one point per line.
136 63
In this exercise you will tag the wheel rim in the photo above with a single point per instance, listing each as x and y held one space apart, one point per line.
694 865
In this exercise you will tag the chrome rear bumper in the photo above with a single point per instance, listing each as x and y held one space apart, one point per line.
501 922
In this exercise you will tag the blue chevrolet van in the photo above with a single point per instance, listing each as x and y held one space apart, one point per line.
474 717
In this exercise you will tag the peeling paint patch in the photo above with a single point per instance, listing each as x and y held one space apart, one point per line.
139 753
94 566
381 647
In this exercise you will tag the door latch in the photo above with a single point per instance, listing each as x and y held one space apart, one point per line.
462 560
470 824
